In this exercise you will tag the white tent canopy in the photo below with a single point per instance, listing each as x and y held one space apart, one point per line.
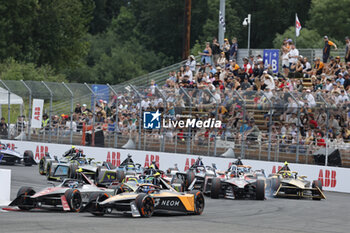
14 99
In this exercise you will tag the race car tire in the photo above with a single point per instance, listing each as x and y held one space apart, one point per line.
42 166
28 158
260 190
190 176
48 170
199 202
120 175
275 184
25 203
316 183
145 205
74 199
215 189
97 175
72 173
98 210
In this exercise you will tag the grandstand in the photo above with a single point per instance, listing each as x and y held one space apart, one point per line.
289 122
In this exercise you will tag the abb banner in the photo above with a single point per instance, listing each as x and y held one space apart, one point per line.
38 105
332 178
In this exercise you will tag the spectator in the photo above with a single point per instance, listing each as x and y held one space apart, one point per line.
226 49
77 109
191 62
215 48
234 49
245 85
293 57
285 57
347 49
310 100
206 54
247 66
327 48
20 124
221 61
3 128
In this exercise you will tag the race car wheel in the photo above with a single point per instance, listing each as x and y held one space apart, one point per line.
73 171
28 158
97 175
145 205
42 166
120 175
260 190
74 199
198 202
275 184
25 203
98 210
190 176
215 188
48 170
316 183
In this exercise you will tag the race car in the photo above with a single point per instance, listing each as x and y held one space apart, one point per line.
70 195
72 161
238 182
286 183
144 199
195 177
11 157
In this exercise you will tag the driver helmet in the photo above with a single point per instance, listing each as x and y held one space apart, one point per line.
73 184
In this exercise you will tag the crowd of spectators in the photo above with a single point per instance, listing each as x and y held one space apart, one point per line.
219 87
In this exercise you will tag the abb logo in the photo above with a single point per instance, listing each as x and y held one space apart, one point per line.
329 179
113 158
187 165
40 152
37 113
150 159
274 169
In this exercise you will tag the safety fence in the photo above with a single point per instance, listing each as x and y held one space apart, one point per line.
273 126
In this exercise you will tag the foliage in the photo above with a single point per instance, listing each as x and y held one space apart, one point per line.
13 70
307 39
331 18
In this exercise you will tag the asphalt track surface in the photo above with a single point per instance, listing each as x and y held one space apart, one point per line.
271 215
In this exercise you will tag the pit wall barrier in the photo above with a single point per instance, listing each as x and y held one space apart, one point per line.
333 178
5 190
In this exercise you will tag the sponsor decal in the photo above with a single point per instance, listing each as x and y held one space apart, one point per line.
150 158
171 203
40 152
328 178
151 120
274 171
114 158
187 165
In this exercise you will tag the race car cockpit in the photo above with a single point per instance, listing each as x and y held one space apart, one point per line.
72 183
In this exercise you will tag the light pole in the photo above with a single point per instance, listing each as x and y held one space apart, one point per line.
247 21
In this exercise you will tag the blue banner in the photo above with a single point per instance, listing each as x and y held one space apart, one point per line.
271 58
101 91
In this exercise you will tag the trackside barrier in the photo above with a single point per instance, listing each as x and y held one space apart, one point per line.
333 178
5 186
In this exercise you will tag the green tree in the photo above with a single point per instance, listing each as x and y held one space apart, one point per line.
60 30
11 69
16 30
330 18
307 39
